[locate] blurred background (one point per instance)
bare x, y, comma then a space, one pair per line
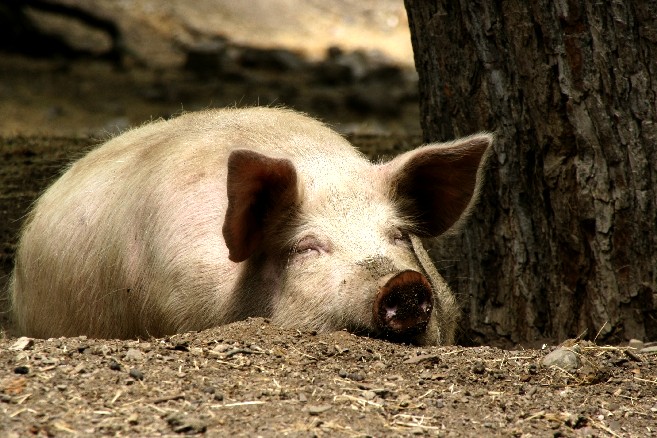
97, 67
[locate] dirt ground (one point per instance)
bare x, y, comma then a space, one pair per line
252, 378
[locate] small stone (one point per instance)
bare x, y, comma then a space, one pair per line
219, 397
563, 358
136, 374
652, 349
133, 419
431, 358
382, 392
478, 368
22, 344
566, 392
636, 343
221, 348
369, 395
134, 355
182, 346
21, 370
114, 365
318, 409
426, 375
102, 350
208, 390
356, 377
187, 425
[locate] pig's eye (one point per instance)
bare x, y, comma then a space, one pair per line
400, 238
309, 245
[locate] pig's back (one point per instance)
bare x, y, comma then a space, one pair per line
275, 132
118, 245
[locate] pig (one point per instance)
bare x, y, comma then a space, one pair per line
220, 215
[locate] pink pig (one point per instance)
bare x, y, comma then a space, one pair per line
219, 215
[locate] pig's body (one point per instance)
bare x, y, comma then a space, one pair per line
128, 242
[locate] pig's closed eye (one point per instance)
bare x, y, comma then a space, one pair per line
310, 245
400, 238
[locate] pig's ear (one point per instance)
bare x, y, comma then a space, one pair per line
434, 184
259, 187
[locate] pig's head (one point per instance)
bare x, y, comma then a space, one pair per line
333, 242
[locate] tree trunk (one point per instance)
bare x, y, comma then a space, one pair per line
564, 239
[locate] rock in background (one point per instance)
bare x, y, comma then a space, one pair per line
106, 65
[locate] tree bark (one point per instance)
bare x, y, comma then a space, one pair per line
564, 239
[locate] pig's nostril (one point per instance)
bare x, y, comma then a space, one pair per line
391, 312
404, 303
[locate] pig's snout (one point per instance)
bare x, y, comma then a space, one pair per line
404, 304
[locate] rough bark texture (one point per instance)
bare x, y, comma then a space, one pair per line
564, 240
